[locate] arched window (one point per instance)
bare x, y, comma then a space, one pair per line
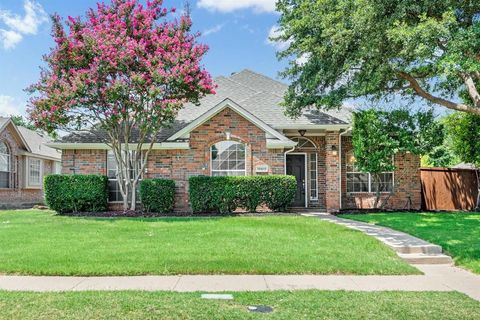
228, 158
304, 143
5, 166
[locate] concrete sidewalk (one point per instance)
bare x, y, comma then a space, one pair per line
411, 249
435, 278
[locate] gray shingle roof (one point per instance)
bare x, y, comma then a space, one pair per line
35, 141
256, 93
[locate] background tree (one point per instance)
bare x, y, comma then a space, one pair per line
125, 70
464, 132
371, 48
22, 122
377, 136
441, 156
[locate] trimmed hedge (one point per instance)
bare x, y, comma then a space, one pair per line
225, 194
157, 195
76, 193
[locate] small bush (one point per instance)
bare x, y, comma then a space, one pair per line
157, 195
225, 194
278, 192
212, 194
76, 193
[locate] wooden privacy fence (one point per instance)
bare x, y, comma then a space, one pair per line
448, 189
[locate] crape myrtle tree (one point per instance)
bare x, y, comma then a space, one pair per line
374, 48
124, 70
377, 136
464, 131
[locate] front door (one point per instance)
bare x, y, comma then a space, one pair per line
296, 168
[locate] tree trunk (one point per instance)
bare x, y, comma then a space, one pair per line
133, 206
377, 193
477, 207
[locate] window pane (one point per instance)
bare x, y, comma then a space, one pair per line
313, 177
114, 194
228, 159
385, 183
57, 168
34, 173
4, 180
3, 148
4, 162
357, 182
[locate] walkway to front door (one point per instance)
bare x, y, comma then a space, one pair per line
295, 166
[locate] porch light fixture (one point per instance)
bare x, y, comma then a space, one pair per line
302, 132
334, 149
228, 134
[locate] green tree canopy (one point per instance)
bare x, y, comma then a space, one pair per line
464, 131
373, 48
378, 135
22, 122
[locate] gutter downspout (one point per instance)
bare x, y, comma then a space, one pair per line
285, 159
340, 158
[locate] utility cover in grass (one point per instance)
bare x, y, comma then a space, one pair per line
260, 309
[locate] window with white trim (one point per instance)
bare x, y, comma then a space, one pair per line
228, 159
114, 193
5, 165
313, 177
57, 167
358, 181
34, 172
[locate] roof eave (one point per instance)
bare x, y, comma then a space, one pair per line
40, 156
333, 127
104, 146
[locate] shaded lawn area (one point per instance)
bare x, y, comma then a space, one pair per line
41, 243
286, 305
457, 233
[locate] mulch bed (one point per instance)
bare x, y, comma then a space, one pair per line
141, 214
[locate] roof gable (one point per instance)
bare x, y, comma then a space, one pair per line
7, 123
227, 103
31, 141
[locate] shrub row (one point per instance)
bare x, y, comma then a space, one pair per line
76, 193
225, 194
89, 193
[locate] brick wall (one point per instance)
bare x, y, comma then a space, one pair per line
17, 196
407, 184
84, 162
180, 165
332, 167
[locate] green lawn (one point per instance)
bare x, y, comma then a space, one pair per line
286, 305
41, 243
457, 233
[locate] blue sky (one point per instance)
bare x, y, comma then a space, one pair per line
236, 31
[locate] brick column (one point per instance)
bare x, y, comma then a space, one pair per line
332, 171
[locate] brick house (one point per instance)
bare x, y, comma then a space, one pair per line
242, 130
24, 160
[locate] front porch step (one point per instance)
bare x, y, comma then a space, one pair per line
422, 258
426, 249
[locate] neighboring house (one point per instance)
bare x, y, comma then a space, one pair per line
242, 130
24, 160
